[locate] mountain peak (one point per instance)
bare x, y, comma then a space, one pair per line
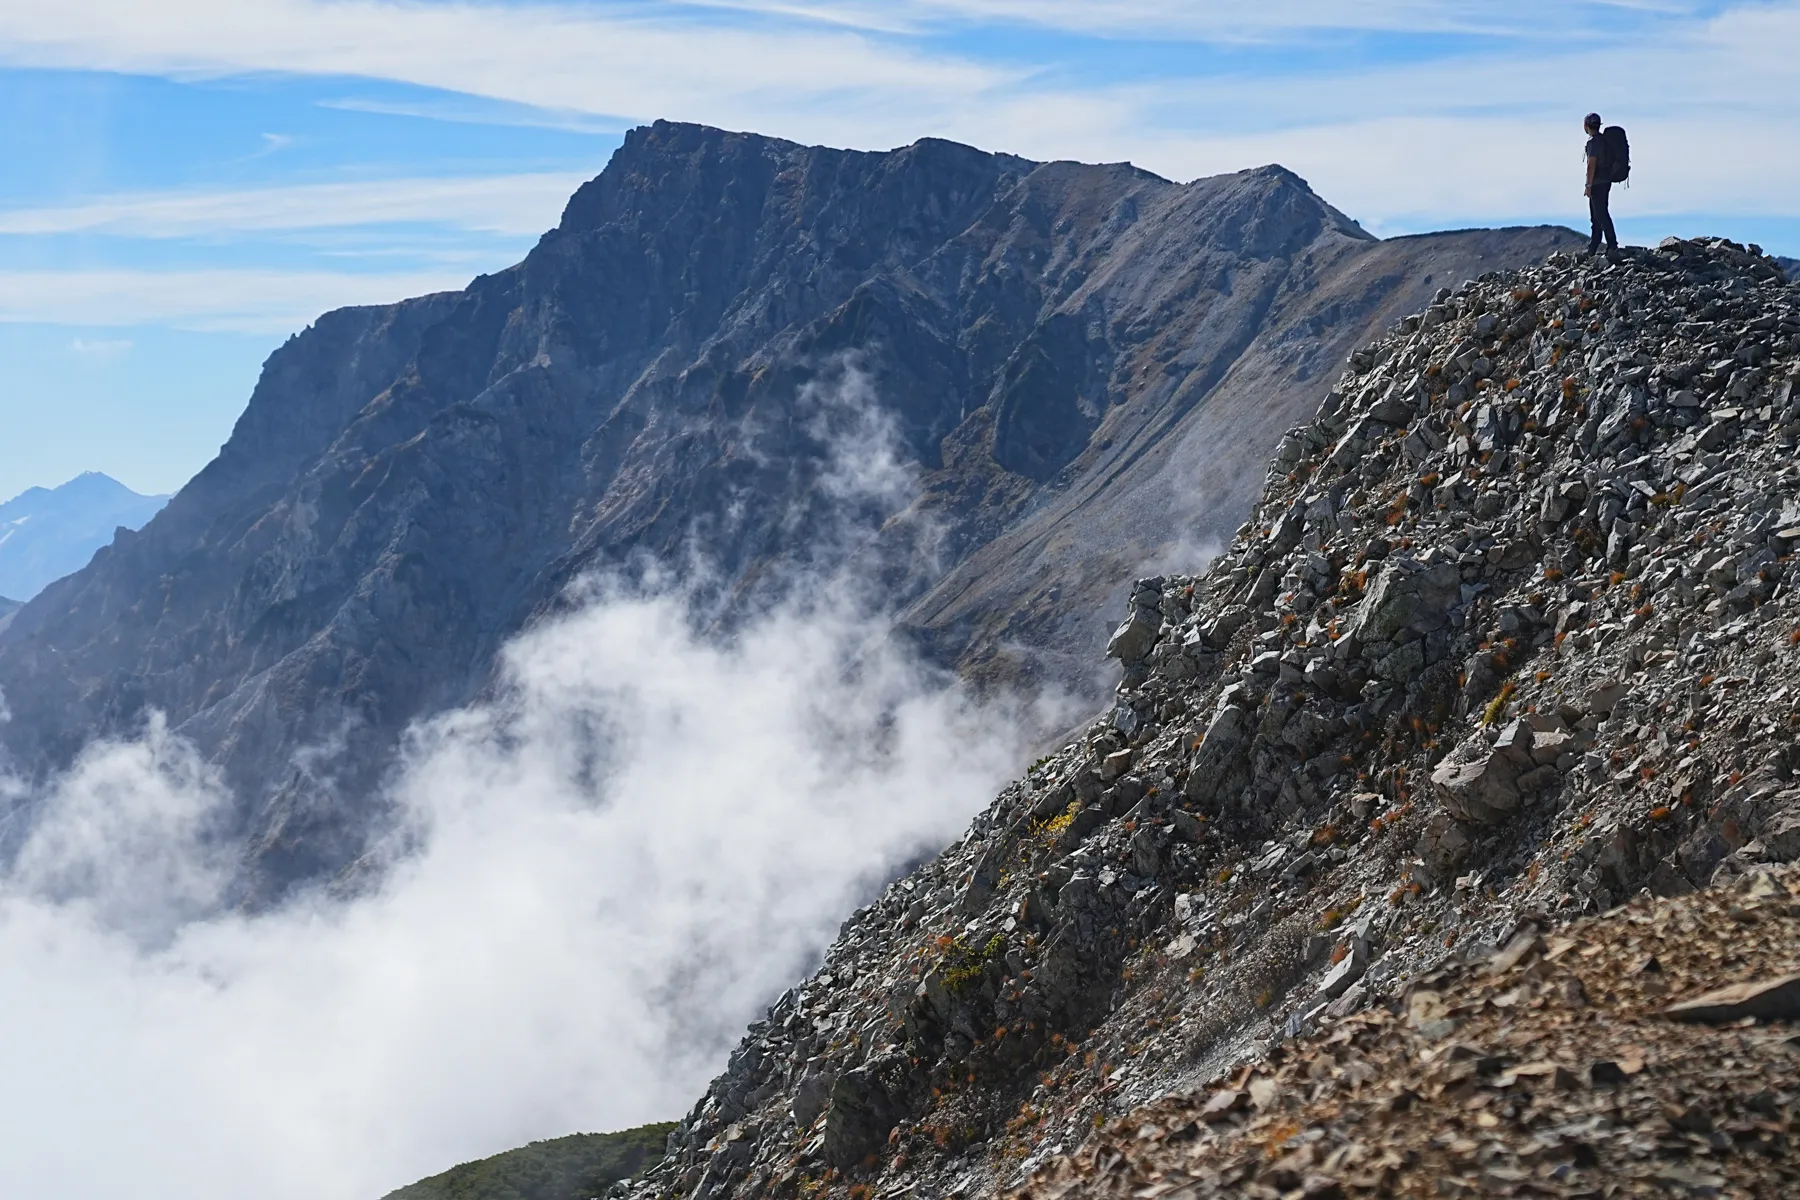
1057, 349
47, 533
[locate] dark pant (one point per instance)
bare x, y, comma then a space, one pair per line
1598, 196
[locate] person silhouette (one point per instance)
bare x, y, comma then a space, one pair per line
1599, 189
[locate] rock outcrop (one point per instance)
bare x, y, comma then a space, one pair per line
1085, 367
1528, 649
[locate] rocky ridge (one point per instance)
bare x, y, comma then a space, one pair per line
1511, 636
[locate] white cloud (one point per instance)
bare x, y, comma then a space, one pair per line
514, 205
814, 79
475, 110
645, 840
101, 348
585, 59
601, 876
1493, 170
1216, 22
247, 301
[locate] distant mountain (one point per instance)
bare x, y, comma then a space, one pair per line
7, 609
46, 533
1791, 266
1085, 366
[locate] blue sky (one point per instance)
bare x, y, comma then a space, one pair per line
189, 182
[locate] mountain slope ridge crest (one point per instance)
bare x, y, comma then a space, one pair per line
1062, 351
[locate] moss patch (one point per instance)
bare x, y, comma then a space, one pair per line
566, 1168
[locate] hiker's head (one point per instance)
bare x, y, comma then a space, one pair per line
1591, 123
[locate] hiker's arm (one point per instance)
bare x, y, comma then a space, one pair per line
1593, 162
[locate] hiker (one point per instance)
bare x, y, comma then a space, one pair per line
1601, 172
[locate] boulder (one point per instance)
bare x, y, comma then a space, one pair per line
1115, 765
1132, 640
1407, 595
1480, 783
1444, 845
1229, 621
1781, 836
1224, 735
811, 1095
1605, 697
1776, 998
1346, 971
862, 1112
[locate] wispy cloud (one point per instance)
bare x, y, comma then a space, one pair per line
274, 143
501, 204
477, 110
628, 61
1218, 22
101, 348
859, 75
246, 301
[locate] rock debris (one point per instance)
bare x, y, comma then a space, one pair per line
1548, 1069
1510, 639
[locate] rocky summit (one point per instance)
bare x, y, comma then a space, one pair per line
1511, 638
1079, 368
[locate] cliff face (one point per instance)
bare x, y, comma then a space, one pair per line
1085, 364
1511, 636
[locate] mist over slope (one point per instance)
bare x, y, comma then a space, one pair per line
47, 533
1084, 364
596, 878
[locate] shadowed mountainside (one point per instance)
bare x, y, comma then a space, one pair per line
1085, 366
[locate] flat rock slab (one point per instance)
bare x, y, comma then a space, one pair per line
1773, 999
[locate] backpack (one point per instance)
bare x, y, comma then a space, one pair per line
1618, 153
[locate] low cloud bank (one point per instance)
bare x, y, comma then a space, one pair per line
605, 873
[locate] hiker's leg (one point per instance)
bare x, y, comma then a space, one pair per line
1599, 217
1604, 221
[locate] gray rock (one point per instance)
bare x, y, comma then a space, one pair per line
1224, 737
1134, 637
1780, 836
1230, 619
1346, 971
811, 1095
861, 1112
1444, 844
1479, 783
1115, 765
1407, 594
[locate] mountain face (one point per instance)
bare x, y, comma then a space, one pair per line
1511, 635
1084, 365
47, 533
